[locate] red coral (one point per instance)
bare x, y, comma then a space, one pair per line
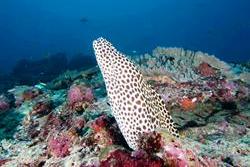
101, 131
100, 123
59, 146
106, 132
121, 158
150, 142
205, 70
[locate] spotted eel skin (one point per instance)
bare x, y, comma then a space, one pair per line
136, 106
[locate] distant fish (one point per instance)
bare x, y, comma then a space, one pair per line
84, 20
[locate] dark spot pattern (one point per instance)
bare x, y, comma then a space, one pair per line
136, 107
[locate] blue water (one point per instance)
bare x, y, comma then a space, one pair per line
33, 29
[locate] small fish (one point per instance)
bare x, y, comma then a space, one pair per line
83, 20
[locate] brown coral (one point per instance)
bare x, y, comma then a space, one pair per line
205, 70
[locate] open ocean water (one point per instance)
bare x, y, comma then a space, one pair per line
33, 29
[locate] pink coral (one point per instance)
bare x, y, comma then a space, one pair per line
229, 85
59, 146
78, 93
79, 96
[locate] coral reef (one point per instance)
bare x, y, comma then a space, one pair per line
42, 126
180, 64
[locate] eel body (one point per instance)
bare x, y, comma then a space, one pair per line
136, 106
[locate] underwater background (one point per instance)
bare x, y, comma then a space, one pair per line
34, 29
167, 85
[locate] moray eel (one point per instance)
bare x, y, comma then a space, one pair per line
136, 106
